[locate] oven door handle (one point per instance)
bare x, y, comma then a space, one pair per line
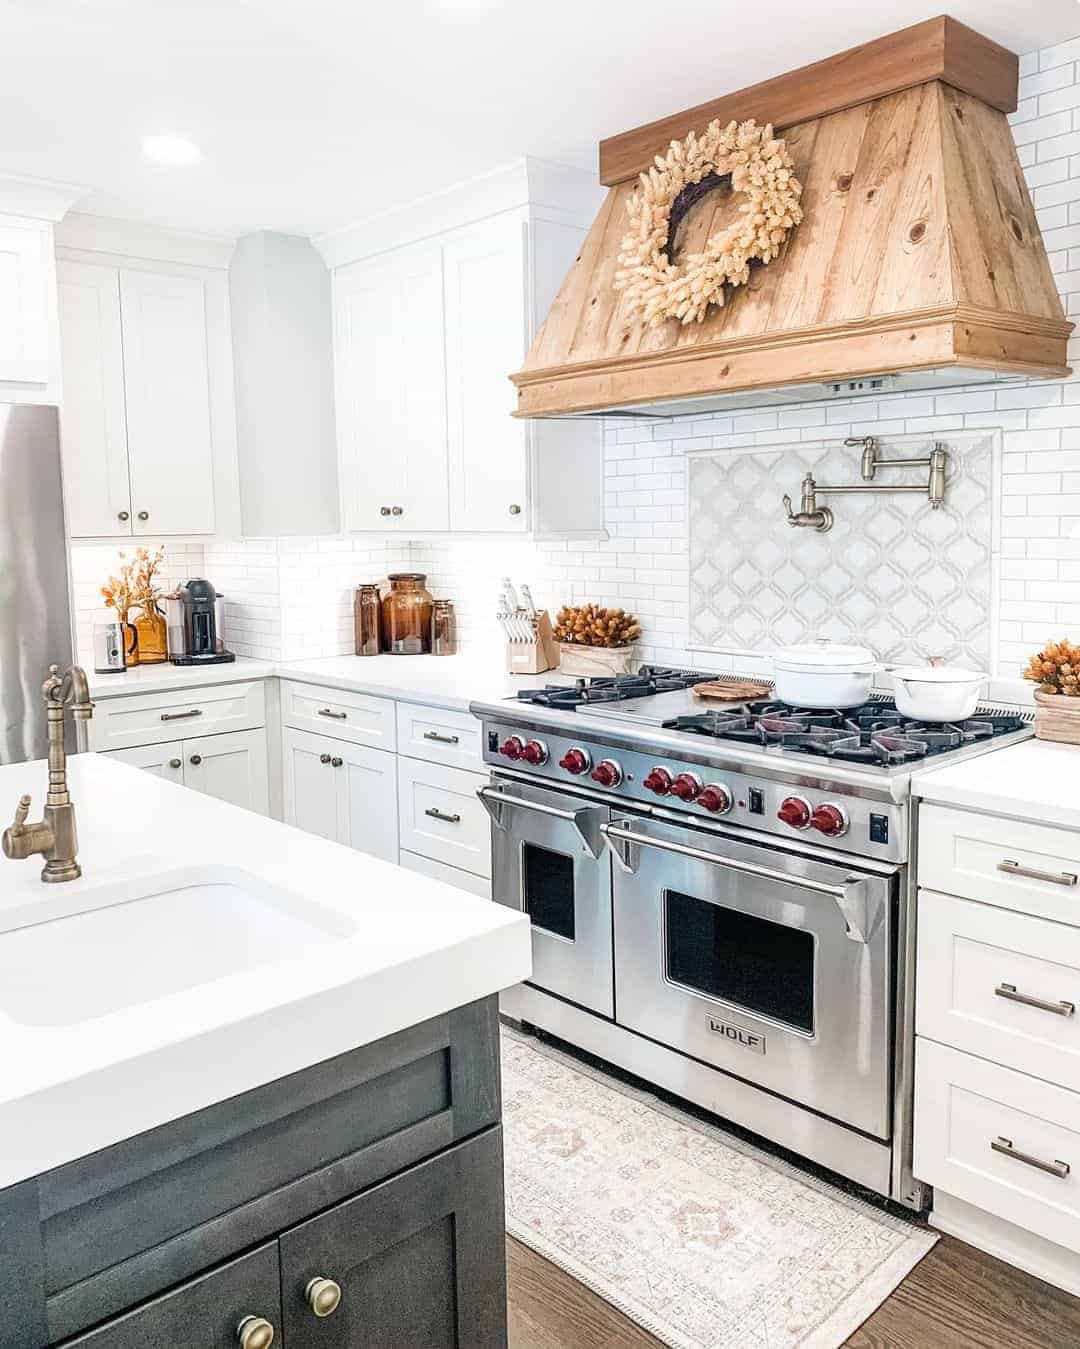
852, 896
585, 819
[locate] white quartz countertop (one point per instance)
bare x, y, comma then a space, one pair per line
1038, 780
161, 678
390, 948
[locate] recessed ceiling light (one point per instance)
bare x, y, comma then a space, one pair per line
172, 150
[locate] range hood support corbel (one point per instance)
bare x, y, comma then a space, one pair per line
812, 516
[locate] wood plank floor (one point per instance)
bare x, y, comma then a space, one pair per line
956, 1298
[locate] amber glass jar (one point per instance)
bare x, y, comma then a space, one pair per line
152, 633
367, 618
407, 615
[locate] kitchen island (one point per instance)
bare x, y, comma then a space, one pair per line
248, 1074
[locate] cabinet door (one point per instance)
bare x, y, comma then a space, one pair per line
93, 420
231, 768
25, 247
311, 785
367, 800
205, 1312
164, 761
167, 380
419, 1259
391, 391
485, 341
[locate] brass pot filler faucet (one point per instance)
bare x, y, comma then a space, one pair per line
54, 836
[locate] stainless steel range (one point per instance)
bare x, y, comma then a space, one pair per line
722, 900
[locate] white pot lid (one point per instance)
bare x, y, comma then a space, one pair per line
936, 674
825, 657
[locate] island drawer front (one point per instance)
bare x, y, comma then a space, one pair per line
132, 1220
359, 718
441, 817
439, 871
964, 1106
148, 718
1032, 868
214, 1305
1002, 985
440, 735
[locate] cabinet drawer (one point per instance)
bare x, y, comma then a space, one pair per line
439, 871
147, 718
1002, 985
206, 1311
1032, 868
965, 1106
439, 736
356, 717
441, 817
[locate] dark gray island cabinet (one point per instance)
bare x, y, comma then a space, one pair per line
356, 1202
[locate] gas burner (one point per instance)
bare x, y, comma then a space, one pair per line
649, 680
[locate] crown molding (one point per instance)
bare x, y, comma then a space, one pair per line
37, 198
133, 239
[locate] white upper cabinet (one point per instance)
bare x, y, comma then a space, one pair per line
485, 271
391, 391
26, 340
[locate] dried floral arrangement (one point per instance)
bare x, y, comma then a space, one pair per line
1056, 669
759, 165
591, 625
135, 583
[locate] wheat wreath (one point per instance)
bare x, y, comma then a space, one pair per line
759, 166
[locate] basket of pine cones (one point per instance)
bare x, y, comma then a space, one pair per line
1056, 670
594, 640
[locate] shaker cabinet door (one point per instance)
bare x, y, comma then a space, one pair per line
25, 246
367, 801
231, 768
311, 787
419, 1260
164, 761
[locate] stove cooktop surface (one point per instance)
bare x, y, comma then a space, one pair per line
649, 681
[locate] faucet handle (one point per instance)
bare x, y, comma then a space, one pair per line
787, 507
22, 810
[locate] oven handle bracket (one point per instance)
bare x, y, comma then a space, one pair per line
585, 820
851, 897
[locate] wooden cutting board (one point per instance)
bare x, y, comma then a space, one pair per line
732, 690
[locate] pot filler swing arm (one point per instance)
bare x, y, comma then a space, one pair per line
812, 516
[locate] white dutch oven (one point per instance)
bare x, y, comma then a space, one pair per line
824, 674
936, 692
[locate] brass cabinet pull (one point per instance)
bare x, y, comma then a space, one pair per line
1012, 868
1007, 1149
439, 815
176, 763
384, 510
196, 759
1058, 1008
441, 739
515, 510
181, 716
324, 758
396, 510
329, 712
144, 515
336, 762
323, 1296
123, 515
255, 1332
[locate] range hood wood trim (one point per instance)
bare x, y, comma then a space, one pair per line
937, 49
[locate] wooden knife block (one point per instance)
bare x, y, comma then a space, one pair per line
539, 653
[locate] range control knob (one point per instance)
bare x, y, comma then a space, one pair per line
576, 761
658, 780
830, 819
686, 786
608, 773
716, 797
795, 811
535, 752
512, 747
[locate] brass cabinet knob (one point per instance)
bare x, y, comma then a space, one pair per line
123, 515
324, 758
515, 510
396, 510
323, 1296
255, 1332
384, 510
144, 515
336, 761
176, 763
196, 759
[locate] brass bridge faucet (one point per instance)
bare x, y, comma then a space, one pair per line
53, 836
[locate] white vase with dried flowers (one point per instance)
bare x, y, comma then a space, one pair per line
1056, 670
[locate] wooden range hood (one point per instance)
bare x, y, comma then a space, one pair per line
919, 263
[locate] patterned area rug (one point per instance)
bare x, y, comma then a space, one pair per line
705, 1241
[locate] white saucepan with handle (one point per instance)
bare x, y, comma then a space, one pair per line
937, 692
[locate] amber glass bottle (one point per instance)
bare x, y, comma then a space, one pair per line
153, 645
407, 615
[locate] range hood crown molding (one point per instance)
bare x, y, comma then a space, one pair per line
919, 256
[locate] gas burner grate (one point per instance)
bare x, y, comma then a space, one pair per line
649, 680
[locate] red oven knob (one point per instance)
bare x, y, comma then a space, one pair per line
575, 761
686, 786
794, 811
512, 747
608, 773
830, 819
658, 781
535, 752
716, 798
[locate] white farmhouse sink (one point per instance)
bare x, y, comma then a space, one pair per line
136, 942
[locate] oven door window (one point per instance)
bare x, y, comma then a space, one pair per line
547, 882
765, 967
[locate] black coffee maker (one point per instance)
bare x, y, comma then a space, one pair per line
201, 637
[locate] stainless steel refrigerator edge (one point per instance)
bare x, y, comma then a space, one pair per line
35, 599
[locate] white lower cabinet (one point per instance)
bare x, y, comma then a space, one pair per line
343, 792
442, 817
231, 767
439, 871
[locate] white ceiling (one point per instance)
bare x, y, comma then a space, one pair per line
313, 114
